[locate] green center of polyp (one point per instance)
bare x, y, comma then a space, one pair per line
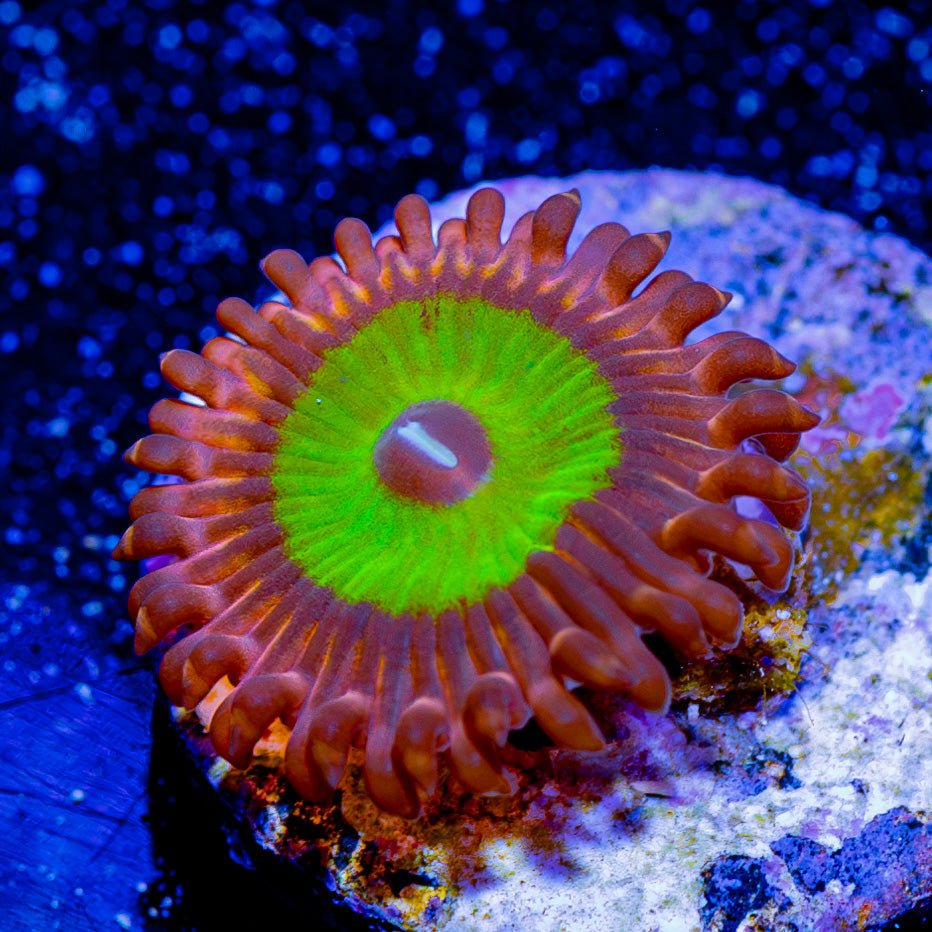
435, 452
432, 453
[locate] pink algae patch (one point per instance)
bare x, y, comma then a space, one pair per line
873, 411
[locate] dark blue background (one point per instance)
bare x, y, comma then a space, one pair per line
153, 152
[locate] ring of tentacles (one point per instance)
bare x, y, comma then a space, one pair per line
452, 480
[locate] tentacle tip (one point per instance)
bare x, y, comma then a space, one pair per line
809, 418
412, 811
698, 648
193, 686
331, 765
239, 760
344, 225
776, 576
653, 692
240, 750
591, 743
395, 800
425, 776
282, 262
787, 366
232, 305
724, 641
412, 198
145, 637
504, 784
660, 711
124, 549
487, 192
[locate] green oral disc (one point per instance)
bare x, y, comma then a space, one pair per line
542, 404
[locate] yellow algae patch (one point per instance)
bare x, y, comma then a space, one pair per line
764, 665
858, 502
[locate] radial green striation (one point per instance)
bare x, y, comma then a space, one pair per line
542, 403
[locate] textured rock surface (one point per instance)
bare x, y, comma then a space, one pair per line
790, 781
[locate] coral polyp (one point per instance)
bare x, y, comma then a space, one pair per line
448, 481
